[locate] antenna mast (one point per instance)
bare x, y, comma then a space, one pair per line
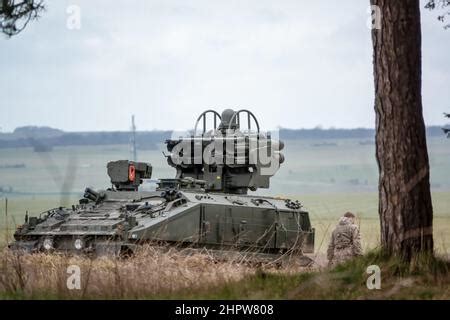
133, 139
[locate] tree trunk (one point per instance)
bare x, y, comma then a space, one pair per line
405, 208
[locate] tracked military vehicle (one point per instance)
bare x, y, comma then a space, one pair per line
206, 204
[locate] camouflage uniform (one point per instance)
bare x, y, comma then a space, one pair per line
345, 242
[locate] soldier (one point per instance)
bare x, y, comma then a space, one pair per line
345, 242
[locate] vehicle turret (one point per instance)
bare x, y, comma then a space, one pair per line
228, 158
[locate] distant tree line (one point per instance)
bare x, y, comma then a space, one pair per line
32, 136
144, 140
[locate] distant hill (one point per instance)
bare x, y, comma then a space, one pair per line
358, 133
31, 132
31, 136
37, 132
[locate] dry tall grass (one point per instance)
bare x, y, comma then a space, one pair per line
151, 273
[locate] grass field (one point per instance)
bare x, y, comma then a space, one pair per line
311, 167
328, 178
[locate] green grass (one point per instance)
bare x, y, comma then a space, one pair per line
426, 278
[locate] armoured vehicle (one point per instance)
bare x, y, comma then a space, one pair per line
206, 205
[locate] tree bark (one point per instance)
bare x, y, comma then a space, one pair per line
405, 208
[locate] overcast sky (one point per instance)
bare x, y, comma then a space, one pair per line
295, 64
